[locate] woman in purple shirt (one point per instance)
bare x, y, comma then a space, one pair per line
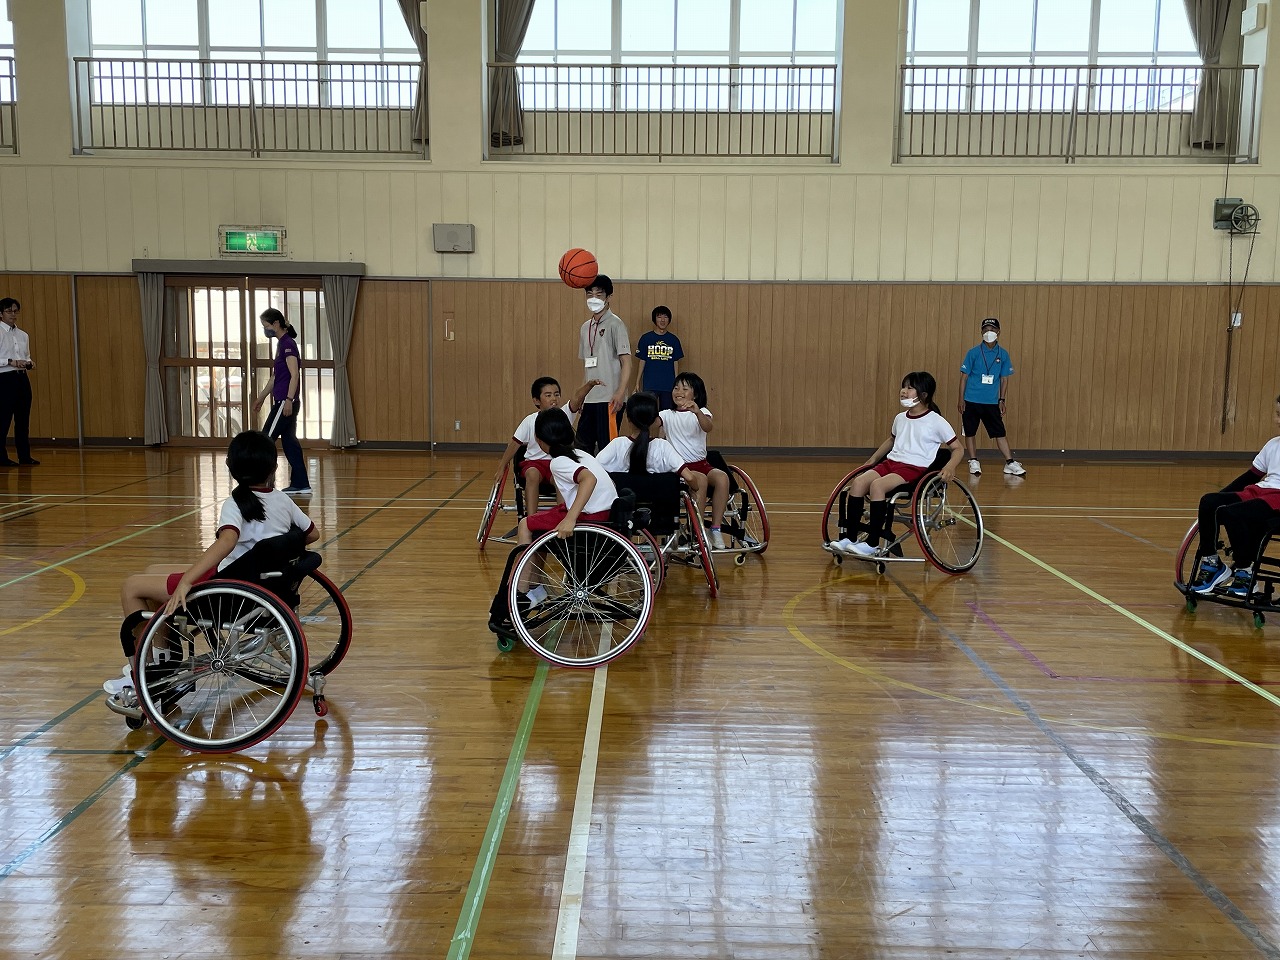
284, 388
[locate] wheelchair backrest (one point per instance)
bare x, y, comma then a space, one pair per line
659, 493
278, 564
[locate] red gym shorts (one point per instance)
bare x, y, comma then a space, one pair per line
701, 466
171, 584
550, 519
908, 473
542, 466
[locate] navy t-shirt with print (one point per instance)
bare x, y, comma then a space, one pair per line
659, 351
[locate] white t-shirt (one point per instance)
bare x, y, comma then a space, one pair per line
661, 457
916, 439
685, 433
565, 471
1267, 462
282, 513
524, 434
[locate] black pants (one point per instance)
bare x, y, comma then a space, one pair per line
1243, 520
593, 427
15, 408
285, 429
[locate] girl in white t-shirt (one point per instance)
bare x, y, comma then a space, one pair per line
641, 452
255, 511
583, 484
686, 428
919, 431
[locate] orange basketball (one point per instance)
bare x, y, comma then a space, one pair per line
578, 267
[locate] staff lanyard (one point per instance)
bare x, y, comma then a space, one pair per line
593, 332
983, 351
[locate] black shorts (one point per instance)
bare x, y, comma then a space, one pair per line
987, 414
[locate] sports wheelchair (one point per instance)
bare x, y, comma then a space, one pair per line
494, 505
745, 526
226, 671
672, 529
599, 591
943, 518
1261, 598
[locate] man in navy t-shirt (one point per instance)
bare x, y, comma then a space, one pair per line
986, 369
660, 353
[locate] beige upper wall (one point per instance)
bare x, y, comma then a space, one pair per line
860, 219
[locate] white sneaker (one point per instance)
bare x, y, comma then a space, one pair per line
841, 546
1014, 468
117, 685
537, 595
863, 549
975, 467
717, 540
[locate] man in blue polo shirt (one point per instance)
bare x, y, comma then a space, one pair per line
986, 370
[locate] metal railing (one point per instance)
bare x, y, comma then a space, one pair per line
247, 106
1079, 112
662, 110
8, 106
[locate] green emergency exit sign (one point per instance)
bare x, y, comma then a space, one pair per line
242, 241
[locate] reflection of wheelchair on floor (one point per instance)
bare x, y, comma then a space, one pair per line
1260, 598
225, 672
512, 474
943, 518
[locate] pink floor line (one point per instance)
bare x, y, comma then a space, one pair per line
1040, 665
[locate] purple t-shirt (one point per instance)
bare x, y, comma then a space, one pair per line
280, 370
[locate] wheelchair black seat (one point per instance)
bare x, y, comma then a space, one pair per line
656, 496
278, 564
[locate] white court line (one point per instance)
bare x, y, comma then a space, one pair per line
569, 920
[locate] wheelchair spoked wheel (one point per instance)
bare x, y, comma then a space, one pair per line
948, 524
699, 545
649, 548
1184, 562
599, 596
492, 508
326, 621
224, 673
831, 513
745, 519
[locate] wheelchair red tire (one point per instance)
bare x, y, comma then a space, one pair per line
492, 509
1181, 568
757, 502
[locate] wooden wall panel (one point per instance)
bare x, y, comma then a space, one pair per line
387, 364
113, 364
47, 319
1099, 367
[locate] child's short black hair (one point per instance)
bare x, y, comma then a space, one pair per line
602, 282
660, 311
694, 383
921, 381
541, 384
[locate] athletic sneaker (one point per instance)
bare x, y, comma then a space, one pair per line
117, 685
1211, 573
1015, 469
864, 549
975, 467
537, 595
717, 540
843, 545
298, 491
1241, 580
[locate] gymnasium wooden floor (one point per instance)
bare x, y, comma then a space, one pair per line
1045, 758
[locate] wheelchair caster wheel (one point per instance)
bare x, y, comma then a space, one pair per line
134, 723
321, 706
1259, 620
740, 559
505, 643
839, 560
1191, 605
880, 568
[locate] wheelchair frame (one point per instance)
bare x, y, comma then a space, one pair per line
233, 633
742, 535
1265, 583
495, 506
927, 512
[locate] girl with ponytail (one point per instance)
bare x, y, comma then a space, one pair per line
254, 512
583, 484
639, 451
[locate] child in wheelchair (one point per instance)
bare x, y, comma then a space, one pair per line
639, 451
686, 428
536, 465
1244, 508
257, 519
914, 441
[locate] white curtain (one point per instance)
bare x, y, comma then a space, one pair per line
506, 115
1215, 113
151, 290
413, 20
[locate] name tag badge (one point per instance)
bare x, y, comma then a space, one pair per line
987, 378
591, 362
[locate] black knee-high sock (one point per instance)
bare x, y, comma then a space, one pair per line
853, 508
878, 524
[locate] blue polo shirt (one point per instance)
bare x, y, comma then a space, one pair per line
984, 362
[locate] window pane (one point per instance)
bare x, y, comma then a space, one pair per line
1004, 25
702, 25
116, 21
289, 23
1175, 28
541, 34
648, 25
6, 35
172, 22
1063, 24
816, 25
582, 24
354, 23
395, 33
1127, 25
234, 23
941, 25
766, 25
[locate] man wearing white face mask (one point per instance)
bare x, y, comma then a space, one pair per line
605, 350
986, 370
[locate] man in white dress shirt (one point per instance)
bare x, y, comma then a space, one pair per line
15, 385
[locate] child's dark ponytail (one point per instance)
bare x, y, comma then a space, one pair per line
923, 383
251, 460
553, 428
642, 411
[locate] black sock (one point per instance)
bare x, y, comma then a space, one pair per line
878, 525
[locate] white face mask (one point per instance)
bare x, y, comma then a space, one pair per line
990, 336
595, 304
909, 402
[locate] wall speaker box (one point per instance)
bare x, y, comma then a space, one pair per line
454, 237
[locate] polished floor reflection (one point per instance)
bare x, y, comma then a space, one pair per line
1048, 757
